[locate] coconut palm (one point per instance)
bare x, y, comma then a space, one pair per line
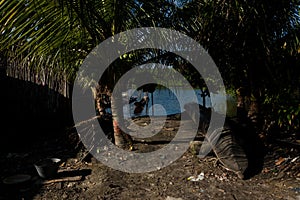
65, 31
249, 40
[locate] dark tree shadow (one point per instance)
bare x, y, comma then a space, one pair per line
30, 131
251, 143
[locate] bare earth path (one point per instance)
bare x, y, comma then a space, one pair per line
280, 178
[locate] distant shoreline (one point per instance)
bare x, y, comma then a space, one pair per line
176, 115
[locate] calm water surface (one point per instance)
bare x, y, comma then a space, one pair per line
165, 101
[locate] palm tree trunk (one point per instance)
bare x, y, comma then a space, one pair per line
254, 112
241, 102
121, 138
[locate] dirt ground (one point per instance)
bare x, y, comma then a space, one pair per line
83, 177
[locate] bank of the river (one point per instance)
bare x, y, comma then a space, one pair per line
280, 178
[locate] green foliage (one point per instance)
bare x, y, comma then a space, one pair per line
255, 44
64, 30
283, 109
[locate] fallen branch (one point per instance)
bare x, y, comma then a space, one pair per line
86, 121
67, 179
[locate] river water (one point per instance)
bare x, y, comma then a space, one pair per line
165, 101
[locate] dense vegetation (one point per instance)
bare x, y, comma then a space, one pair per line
254, 43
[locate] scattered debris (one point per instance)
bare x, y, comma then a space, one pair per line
173, 198
195, 147
280, 160
66, 179
170, 129
47, 168
222, 177
74, 179
200, 177
295, 159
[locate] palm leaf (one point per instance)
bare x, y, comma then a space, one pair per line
228, 149
225, 142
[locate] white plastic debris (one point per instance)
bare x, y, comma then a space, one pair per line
200, 177
173, 198
294, 159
